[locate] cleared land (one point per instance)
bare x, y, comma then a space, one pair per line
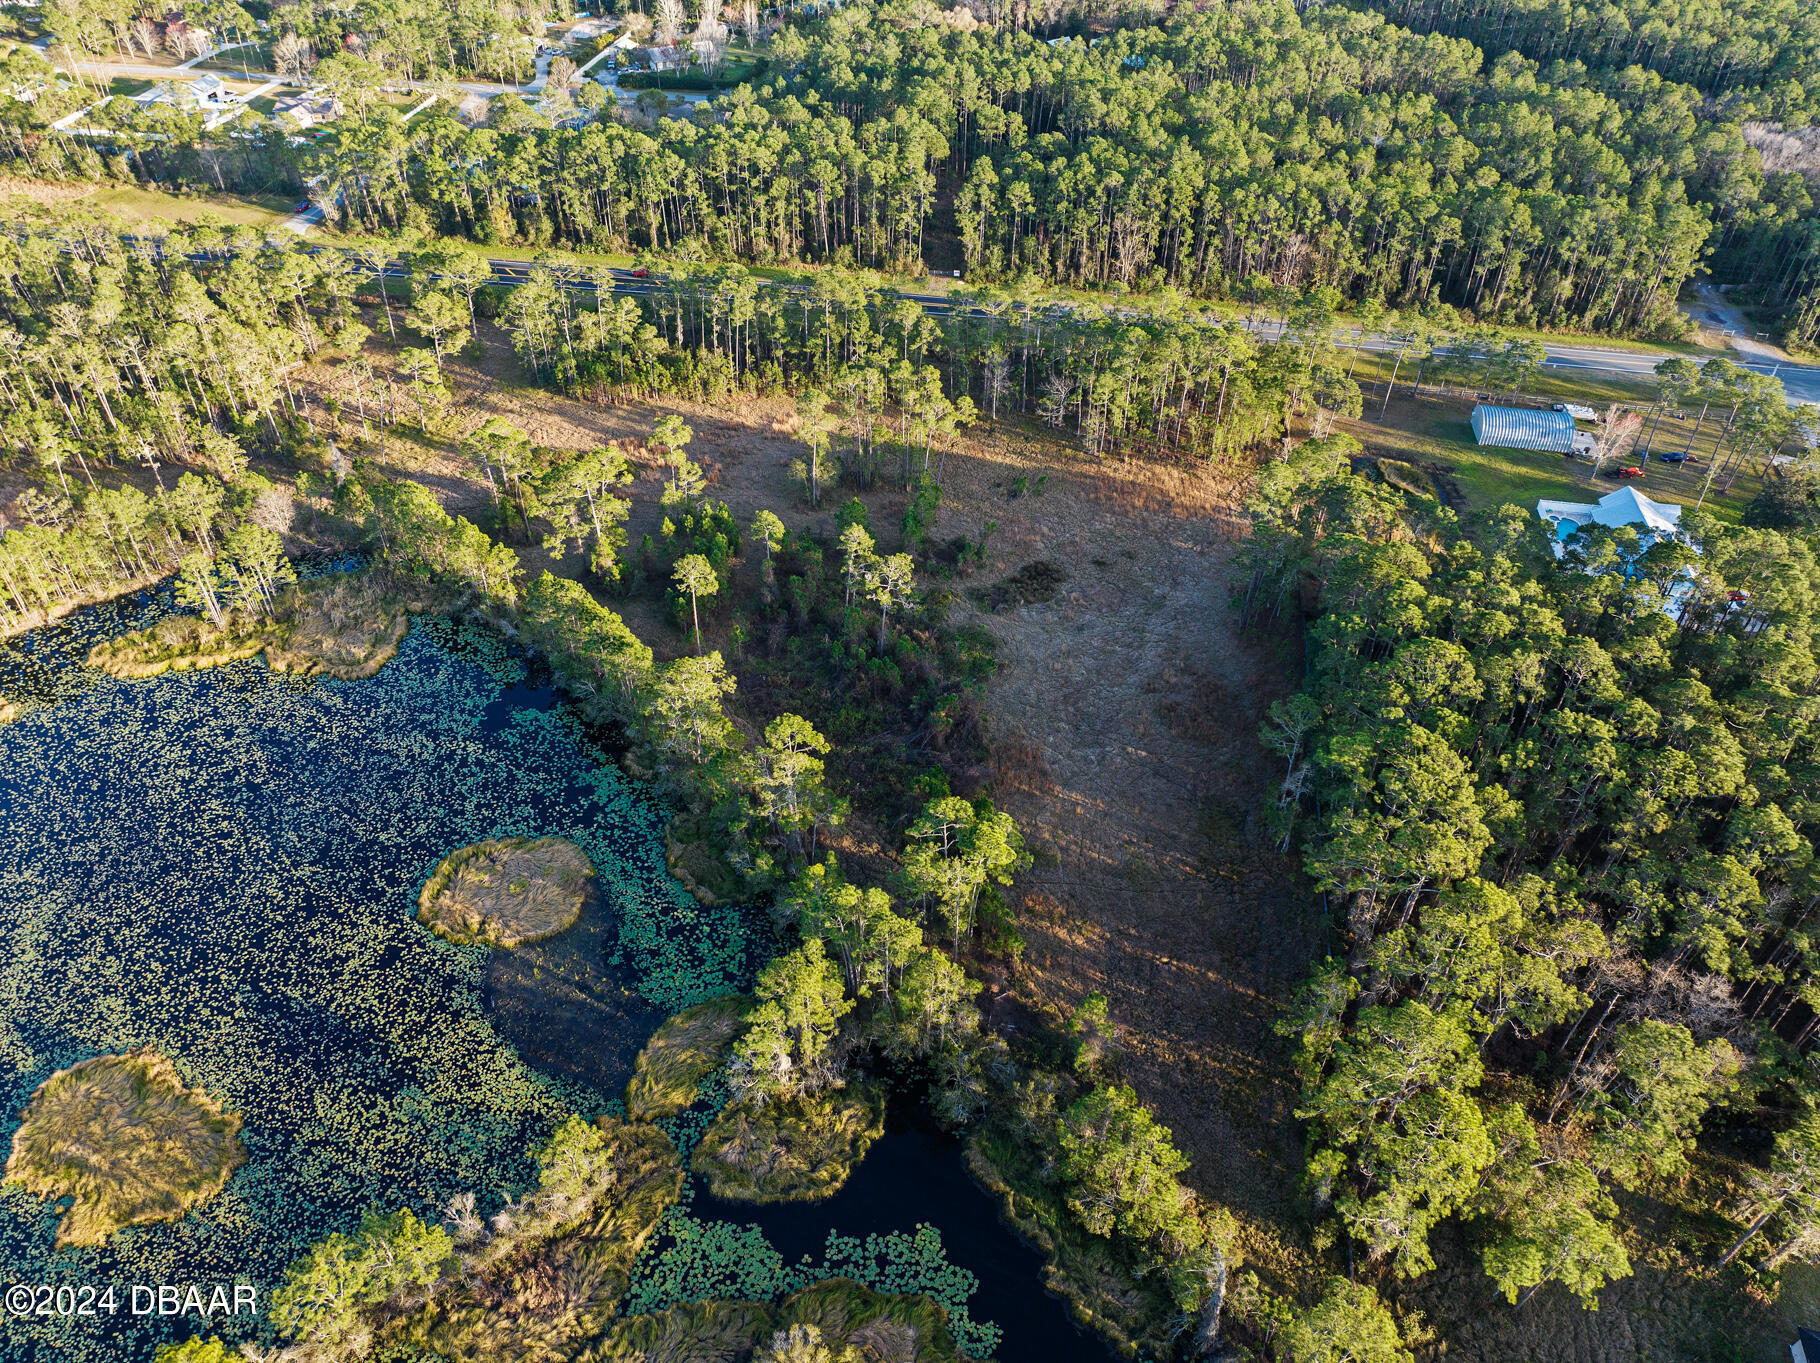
1435, 436
128, 202
505, 892
127, 1141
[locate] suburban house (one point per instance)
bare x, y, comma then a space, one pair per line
307, 110
205, 93
1653, 522
670, 58
1522, 428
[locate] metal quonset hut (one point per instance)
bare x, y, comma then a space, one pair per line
1519, 428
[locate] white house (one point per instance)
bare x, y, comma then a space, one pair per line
1653, 522
208, 93
1523, 428
670, 58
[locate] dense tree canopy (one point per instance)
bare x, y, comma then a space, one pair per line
1570, 169
1564, 812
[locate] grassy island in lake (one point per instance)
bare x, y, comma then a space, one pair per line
127, 1141
792, 1149
682, 1053
345, 625
505, 892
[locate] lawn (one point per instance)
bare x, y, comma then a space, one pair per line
1555, 384
256, 57
255, 210
128, 86
1436, 435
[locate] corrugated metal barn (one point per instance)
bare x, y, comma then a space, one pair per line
1519, 428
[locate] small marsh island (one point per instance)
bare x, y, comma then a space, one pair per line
506, 892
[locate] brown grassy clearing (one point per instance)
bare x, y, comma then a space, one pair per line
505, 892
127, 1141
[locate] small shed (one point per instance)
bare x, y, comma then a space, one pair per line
1521, 428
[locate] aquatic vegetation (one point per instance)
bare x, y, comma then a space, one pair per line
916, 1265
127, 1141
680, 1054
505, 892
793, 1149
696, 1260
692, 1260
225, 865
852, 1322
345, 625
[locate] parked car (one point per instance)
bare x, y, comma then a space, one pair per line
1676, 457
1629, 471
303, 207
640, 273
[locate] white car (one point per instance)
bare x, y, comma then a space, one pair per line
1576, 411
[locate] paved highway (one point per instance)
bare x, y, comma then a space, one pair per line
1800, 382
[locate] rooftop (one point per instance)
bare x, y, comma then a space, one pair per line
1523, 428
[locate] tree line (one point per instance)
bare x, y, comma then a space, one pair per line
1224, 153
1563, 816
1763, 53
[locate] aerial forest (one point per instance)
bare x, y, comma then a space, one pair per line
1225, 153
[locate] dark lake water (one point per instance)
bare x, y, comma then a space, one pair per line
915, 1175
224, 866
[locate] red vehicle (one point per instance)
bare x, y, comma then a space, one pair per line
640, 273
1630, 471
